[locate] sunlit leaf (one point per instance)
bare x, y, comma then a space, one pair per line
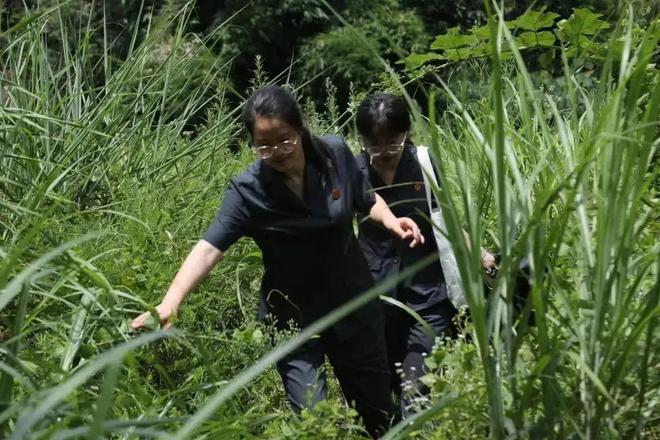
462, 53
480, 31
415, 60
582, 22
453, 39
535, 20
533, 39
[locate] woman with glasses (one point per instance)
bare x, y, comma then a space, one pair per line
389, 162
297, 201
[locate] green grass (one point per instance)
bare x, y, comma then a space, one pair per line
567, 180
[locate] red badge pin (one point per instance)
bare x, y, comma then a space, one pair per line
336, 194
418, 186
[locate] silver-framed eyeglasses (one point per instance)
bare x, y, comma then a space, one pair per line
285, 147
385, 150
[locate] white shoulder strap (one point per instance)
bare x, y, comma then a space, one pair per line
428, 172
445, 252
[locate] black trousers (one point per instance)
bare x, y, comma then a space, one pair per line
361, 366
407, 344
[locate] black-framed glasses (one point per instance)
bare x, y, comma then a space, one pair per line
285, 147
385, 150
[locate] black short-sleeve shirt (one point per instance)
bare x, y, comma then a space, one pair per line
406, 197
312, 261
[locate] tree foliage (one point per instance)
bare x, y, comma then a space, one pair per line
584, 33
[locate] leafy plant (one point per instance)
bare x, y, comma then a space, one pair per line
581, 33
327, 420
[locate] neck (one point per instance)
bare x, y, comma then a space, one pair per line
385, 166
297, 171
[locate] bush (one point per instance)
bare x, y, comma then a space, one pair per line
352, 55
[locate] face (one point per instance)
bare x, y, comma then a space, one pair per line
277, 143
385, 149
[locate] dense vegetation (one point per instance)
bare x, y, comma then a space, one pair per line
118, 134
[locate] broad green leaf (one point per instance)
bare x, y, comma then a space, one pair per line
599, 51
533, 39
535, 20
567, 35
151, 322
415, 60
483, 32
453, 39
480, 31
582, 22
545, 59
462, 53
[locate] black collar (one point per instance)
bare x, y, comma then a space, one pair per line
403, 168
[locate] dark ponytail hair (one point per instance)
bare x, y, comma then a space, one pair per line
273, 101
383, 112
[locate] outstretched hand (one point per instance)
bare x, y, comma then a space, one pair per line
488, 263
404, 228
165, 313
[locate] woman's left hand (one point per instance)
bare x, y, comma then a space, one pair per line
488, 263
404, 227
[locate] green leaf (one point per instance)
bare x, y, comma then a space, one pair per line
533, 39
582, 22
453, 39
593, 376
405, 427
425, 326
541, 364
535, 20
257, 336
545, 59
151, 322
483, 32
463, 53
429, 379
416, 60
480, 31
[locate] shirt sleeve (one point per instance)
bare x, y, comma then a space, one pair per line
364, 197
230, 221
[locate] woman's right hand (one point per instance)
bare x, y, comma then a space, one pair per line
166, 314
196, 266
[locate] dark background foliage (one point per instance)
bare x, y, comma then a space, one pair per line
299, 41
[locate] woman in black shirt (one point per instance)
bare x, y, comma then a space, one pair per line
297, 202
389, 161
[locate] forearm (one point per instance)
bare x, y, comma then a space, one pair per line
468, 242
487, 259
194, 269
402, 227
381, 213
